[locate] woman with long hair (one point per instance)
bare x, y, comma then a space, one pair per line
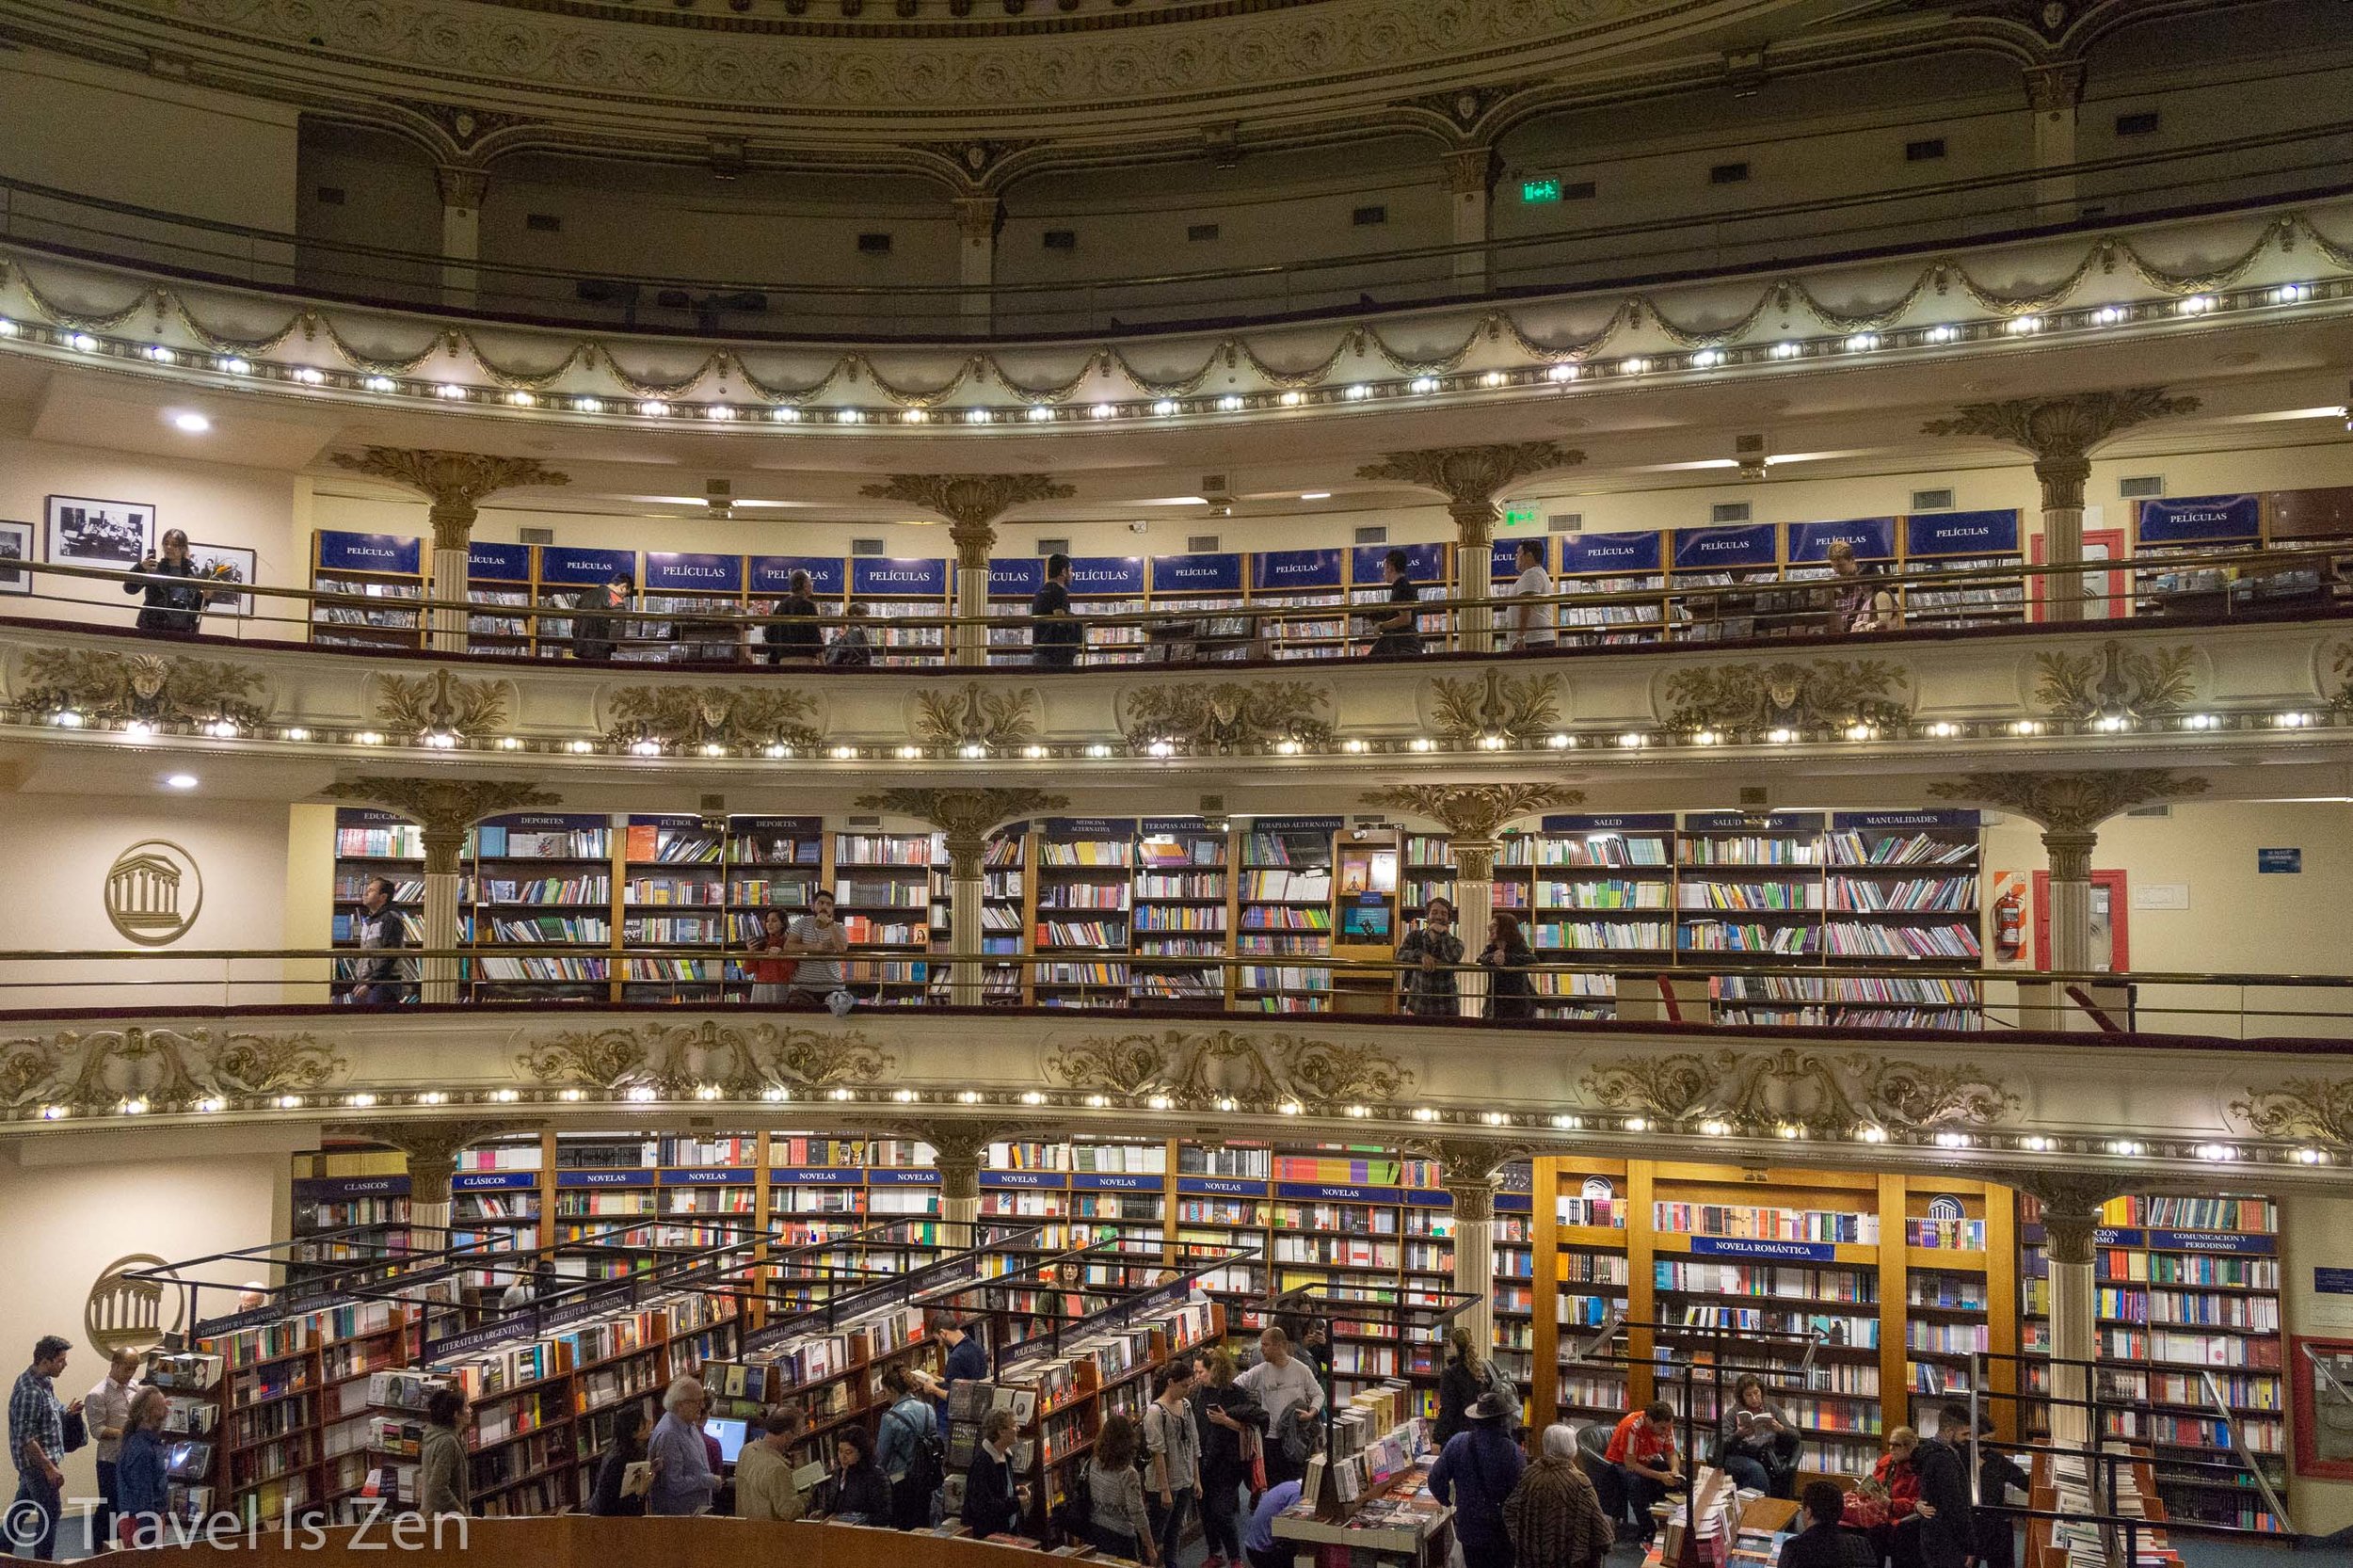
627, 1447
141, 1492
1117, 1522
442, 1479
1460, 1384
1232, 1423
1510, 991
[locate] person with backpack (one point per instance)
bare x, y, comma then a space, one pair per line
907, 1449
1173, 1438
1475, 1476
1114, 1517
1467, 1375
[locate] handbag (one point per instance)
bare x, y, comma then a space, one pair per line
1254, 1451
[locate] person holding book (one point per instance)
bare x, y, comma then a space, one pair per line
1231, 1428
765, 1487
1173, 1438
1475, 1475
1258, 1543
1117, 1522
1554, 1515
994, 1501
1757, 1445
1431, 953
1292, 1396
1827, 1542
142, 1489
441, 1472
1887, 1502
860, 1492
683, 1481
617, 1494
1644, 1450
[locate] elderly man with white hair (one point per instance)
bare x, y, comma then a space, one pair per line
683, 1478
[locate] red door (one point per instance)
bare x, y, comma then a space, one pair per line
2106, 597
2111, 950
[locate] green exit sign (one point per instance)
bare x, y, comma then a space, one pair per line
1540, 190
1518, 517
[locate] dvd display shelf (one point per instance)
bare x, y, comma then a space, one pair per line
385, 571
1429, 567
499, 583
1857, 1298
2187, 1288
1302, 599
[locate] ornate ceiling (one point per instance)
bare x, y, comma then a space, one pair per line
966, 85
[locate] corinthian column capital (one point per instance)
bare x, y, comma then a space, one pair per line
456, 482
2070, 803
1474, 813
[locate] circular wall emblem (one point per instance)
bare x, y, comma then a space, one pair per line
153, 891
131, 1314
1944, 1206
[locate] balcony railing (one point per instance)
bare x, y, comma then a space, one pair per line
1715, 610
2236, 173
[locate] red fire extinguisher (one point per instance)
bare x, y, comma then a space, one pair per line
2010, 922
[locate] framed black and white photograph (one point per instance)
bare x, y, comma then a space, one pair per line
16, 544
224, 563
87, 533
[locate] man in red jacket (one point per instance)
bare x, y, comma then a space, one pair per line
1644, 1450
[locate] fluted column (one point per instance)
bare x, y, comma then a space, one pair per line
977, 219
965, 850
1472, 478
2071, 1203
445, 808
957, 1150
1469, 1170
457, 483
1473, 816
971, 502
2060, 432
2053, 92
966, 817
1470, 183
462, 190
1474, 916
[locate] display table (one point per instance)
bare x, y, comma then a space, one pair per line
1398, 1522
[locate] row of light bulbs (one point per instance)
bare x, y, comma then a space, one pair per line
1560, 374
2208, 1151
1168, 747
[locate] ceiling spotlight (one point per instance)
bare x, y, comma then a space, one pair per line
235, 366
1423, 384
2311, 1157
720, 411
1099, 749
222, 730
8, 327
2026, 727
2216, 1153
1863, 341
849, 416
451, 392
2199, 721
588, 404
1359, 393
2106, 315
1229, 404
2289, 294
296, 732
1785, 350
1952, 1140
645, 749
385, 384
1781, 737
194, 424
976, 416
1561, 743
1873, 1134
654, 408
1707, 359
1634, 366
785, 416
1632, 740
2037, 1144
522, 399
440, 739
1162, 749
1561, 373
1943, 729
310, 377
2020, 326
81, 342
138, 730
1104, 410
1493, 379
1356, 743
1165, 406
1293, 398
579, 748
2198, 304
913, 416
181, 780
158, 353
1040, 413
1943, 334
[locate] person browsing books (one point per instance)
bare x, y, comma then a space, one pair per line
379, 929
1117, 1522
441, 1468
1397, 630
1507, 958
1554, 1515
1258, 1543
764, 1488
613, 1498
1533, 620
905, 1448
1287, 1389
684, 1482
1056, 634
1231, 1423
793, 635
106, 1411
994, 1501
1755, 1443
820, 940
142, 1491
1826, 1543
596, 613
860, 1490
1475, 1473
1644, 1450
772, 977
1173, 1437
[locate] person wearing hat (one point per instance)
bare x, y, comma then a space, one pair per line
1475, 1473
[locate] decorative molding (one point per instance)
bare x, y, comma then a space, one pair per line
2068, 803
973, 714
1474, 812
444, 703
1758, 1094
748, 718
2342, 667
1470, 474
2117, 682
971, 502
444, 807
1518, 707
2060, 432
1467, 1164
674, 1061
964, 814
2316, 1109
146, 688
167, 1070
2070, 1202
455, 482
1783, 694
1227, 717
1228, 1070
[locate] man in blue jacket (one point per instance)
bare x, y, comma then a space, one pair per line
1475, 1473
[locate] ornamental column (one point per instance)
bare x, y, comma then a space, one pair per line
2071, 1203
977, 221
966, 817
971, 502
2070, 806
1474, 816
957, 1150
2060, 432
1470, 182
462, 189
445, 808
432, 1148
2053, 92
1472, 478
457, 483
1470, 1172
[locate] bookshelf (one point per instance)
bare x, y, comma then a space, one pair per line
357, 1214
1110, 585
674, 891
371, 843
769, 863
1083, 911
1181, 908
544, 880
1600, 884
1306, 587
695, 598
1963, 541
1284, 914
1610, 564
1005, 883
1748, 886
2186, 1286
1013, 582
497, 585
895, 591
1210, 587
882, 891
381, 566
2186, 528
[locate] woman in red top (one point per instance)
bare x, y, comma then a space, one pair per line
771, 976
1898, 1537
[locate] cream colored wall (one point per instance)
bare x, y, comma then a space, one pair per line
72, 1207
2238, 920
125, 137
2316, 1231
55, 853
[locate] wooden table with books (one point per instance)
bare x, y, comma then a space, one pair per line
1370, 1496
